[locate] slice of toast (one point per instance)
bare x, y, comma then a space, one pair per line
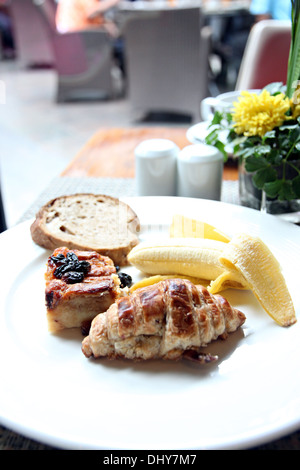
99, 223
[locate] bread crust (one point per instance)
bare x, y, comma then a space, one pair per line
86, 221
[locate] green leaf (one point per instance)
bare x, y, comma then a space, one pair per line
278, 157
286, 191
285, 127
238, 140
293, 73
254, 163
295, 135
270, 135
272, 188
221, 146
217, 119
246, 152
263, 149
212, 137
229, 117
263, 176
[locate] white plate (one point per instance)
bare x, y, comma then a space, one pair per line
52, 393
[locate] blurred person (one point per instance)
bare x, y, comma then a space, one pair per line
271, 9
229, 45
76, 15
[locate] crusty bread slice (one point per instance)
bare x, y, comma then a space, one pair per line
99, 223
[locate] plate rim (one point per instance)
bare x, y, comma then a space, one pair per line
250, 441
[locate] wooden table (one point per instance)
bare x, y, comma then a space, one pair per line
110, 152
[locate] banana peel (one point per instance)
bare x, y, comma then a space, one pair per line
243, 262
251, 257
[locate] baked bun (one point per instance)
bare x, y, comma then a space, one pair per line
87, 222
79, 286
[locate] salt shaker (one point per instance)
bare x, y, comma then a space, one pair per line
155, 166
199, 172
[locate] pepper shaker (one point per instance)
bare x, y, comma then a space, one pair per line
199, 172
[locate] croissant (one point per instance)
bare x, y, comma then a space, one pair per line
168, 320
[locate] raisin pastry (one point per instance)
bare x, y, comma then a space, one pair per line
79, 286
168, 320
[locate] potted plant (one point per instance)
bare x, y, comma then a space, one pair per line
263, 131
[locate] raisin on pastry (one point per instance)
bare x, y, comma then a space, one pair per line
79, 286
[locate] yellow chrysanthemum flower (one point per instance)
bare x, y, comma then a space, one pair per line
256, 114
295, 110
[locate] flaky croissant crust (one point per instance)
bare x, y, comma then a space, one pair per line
163, 321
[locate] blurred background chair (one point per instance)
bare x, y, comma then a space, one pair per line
83, 60
266, 55
167, 61
33, 47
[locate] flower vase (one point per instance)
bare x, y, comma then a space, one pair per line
255, 198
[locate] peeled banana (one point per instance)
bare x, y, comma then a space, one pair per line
149, 281
185, 227
198, 258
256, 263
244, 262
